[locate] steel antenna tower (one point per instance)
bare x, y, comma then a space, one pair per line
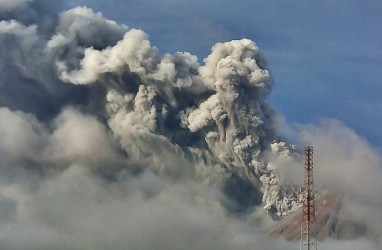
308, 240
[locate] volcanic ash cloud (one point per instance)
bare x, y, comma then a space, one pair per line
106, 144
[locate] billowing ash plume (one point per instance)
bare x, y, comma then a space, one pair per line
169, 113
179, 117
106, 144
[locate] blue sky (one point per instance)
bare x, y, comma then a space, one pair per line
325, 56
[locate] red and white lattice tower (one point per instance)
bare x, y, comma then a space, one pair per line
308, 240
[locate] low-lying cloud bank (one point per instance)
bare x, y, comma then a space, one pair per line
105, 144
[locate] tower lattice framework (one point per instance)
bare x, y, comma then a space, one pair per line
308, 240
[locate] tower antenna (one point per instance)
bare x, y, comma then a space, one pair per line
308, 240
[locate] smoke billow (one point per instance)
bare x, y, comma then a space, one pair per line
106, 144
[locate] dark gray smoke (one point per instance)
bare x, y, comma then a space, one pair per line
105, 144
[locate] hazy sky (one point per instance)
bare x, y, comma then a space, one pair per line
325, 55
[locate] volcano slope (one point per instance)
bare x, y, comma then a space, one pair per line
332, 221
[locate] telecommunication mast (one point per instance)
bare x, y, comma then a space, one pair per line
308, 240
